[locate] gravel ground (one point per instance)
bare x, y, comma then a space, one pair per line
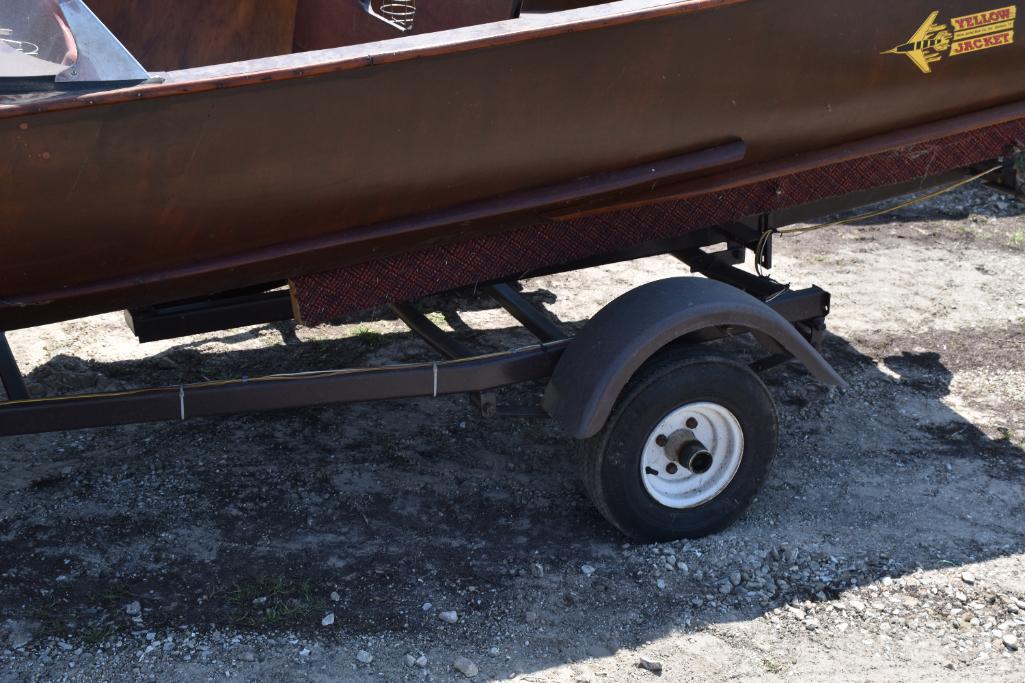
415, 541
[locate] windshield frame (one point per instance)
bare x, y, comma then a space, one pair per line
60, 44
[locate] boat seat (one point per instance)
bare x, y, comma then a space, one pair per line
182, 34
323, 24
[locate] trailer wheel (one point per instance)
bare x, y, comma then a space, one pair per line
686, 448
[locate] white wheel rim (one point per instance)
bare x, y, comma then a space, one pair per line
668, 481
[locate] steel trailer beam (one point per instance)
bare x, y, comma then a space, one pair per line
436, 337
525, 313
476, 374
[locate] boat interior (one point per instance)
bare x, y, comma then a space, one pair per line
186, 34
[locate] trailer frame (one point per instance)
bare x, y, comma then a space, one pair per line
462, 370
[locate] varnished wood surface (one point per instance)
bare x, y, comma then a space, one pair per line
180, 34
555, 5
323, 24
322, 62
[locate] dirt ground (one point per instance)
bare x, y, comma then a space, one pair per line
326, 544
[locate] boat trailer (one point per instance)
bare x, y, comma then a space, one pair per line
723, 289
644, 345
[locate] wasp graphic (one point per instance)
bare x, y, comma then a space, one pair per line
927, 45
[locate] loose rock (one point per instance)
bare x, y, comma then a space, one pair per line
465, 667
364, 657
650, 665
449, 617
19, 638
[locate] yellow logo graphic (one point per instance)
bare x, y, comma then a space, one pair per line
981, 31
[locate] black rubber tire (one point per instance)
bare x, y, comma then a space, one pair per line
610, 460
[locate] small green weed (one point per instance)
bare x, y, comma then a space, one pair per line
274, 601
368, 336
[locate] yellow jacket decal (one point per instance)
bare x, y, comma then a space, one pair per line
963, 35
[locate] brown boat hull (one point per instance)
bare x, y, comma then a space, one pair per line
165, 192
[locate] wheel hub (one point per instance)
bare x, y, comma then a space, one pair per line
684, 446
692, 455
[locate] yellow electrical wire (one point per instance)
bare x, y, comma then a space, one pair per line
764, 239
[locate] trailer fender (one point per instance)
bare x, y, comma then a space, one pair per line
631, 329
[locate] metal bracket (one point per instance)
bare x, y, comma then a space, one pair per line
444, 344
763, 255
1009, 180
762, 287
399, 14
10, 375
101, 56
211, 314
525, 313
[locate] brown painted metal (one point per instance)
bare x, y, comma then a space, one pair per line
227, 176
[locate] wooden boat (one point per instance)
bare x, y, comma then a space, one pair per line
230, 144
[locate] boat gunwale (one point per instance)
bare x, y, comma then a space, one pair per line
299, 65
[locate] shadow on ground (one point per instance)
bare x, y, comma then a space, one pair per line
253, 522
